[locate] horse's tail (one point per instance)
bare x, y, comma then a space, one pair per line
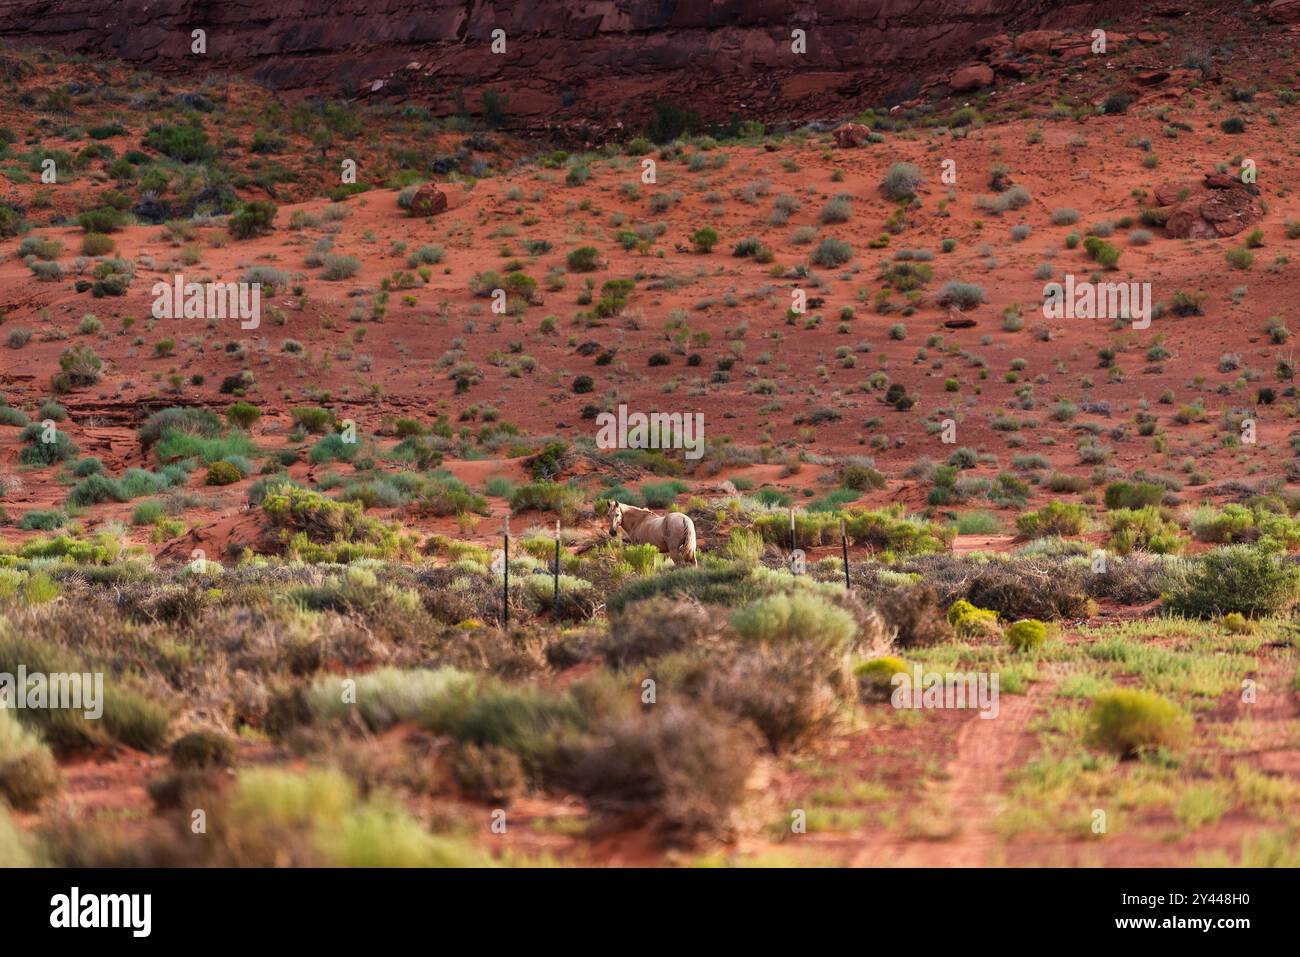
688, 546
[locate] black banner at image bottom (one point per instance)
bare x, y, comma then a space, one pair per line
139, 907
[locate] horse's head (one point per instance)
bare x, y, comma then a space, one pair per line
615, 518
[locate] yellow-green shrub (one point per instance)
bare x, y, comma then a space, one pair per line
876, 677
1028, 634
971, 622
1127, 721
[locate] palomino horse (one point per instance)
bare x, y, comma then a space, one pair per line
673, 534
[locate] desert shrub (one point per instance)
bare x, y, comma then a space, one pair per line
550, 462
1252, 580
253, 219
791, 692
202, 749
14, 417
42, 520
654, 628
27, 771
446, 495
1239, 523
795, 617
577, 597
1054, 518
101, 221
388, 696
831, 253
1128, 721
39, 451
876, 677
96, 244
1013, 198
490, 774
1236, 623
338, 267
731, 584
193, 421
547, 497
46, 271
223, 473
662, 494
887, 531
314, 818
901, 181
915, 615
18, 337
1026, 635
645, 559
79, 366
670, 121
242, 414
186, 448
313, 419
11, 221
128, 716
40, 247
183, 143
425, 255
838, 210
95, 489
1060, 482
1132, 580
146, 513
583, 259
969, 621
704, 239
965, 295
743, 545
1015, 587
1142, 528
528, 721
1133, 495
309, 526
684, 766
861, 477
1102, 252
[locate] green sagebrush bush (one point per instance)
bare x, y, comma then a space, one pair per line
1252, 580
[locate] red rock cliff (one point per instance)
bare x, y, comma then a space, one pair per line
592, 59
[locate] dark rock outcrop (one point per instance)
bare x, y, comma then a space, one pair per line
563, 59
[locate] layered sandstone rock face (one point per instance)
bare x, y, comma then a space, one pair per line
578, 57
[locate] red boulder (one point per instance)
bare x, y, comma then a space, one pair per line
429, 200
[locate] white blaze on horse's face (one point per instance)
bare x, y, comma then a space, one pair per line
615, 517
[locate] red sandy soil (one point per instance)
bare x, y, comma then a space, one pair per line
1095, 175
402, 377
